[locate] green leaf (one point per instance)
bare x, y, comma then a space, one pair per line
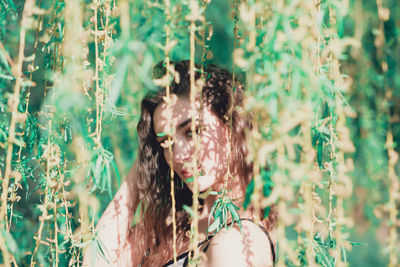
116, 172
214, 193
103, 179
188, 210
161, 134
10, 242
224, 215
93, 252
81, 245
249, 192
2, 55
137, 216
357, 243
189, 180
6, 77
322, 255
320, 147
217, 211
267, 211
344, 253
235, 215
102, 250
98, 169
215, 226
212, 212
109, 183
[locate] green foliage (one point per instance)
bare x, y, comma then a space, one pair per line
99, 171
268, 185
321, 84
222, 209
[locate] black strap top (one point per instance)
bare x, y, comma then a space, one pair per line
182, 260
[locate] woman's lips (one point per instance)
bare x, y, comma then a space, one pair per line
186, 174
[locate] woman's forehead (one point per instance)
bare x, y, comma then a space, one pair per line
180, 111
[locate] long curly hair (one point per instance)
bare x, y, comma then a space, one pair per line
152, 235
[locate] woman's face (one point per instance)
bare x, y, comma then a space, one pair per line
213, 150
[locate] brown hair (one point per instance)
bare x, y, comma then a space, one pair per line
153, 235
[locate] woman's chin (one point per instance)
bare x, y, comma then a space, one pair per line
204, 183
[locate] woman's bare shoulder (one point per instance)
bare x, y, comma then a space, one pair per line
113, 227
231, 247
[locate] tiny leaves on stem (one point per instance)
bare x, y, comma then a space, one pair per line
221, 211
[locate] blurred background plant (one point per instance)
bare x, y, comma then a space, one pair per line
322, 82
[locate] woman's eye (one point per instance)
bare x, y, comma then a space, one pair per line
189, 131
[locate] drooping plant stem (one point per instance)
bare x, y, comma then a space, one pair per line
171, 133
44, 216
228, 174
195, 172
328, 65
15, 115
98, 91
394, 190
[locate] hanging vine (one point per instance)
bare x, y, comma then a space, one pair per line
321, 79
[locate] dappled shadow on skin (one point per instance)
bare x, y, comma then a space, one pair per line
118, 211
247, 243
120, 214
246, 248
254, 239
212, 152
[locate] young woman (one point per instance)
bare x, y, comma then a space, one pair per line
149, 242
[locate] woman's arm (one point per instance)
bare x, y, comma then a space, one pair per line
232, 248
114, 225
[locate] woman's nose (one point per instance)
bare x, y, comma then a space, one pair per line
182, 152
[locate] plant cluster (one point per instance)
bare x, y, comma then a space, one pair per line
322, 83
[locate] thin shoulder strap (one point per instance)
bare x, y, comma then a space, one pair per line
269, 237
186, 254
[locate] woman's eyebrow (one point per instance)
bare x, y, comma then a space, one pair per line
161, 136
187, 121
184, 123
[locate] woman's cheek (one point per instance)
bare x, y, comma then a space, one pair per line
167, 157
